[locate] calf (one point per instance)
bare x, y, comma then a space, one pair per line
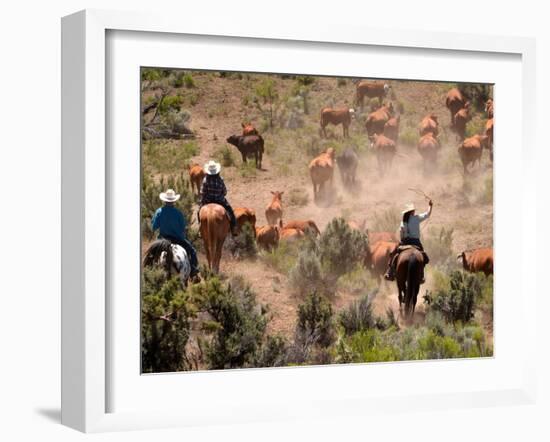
429, 124
267, 237
196, 175
376, 120
248, 129
321, 170
454, 102
385, 151
249, 145
477, 260
378, 256
391, 128
303, 225
243, 216
274, 211
428, 148
460, 119
336, 116
290, 235
347, 164
374, 237
471, 150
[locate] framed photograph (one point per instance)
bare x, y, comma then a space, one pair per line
271, 225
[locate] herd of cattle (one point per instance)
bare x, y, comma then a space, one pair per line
382, 127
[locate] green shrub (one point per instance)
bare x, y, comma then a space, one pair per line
273, 353
305, 276
340, 82
315, 323
281, 258
357, 282
167, 156
409, 137
225, 155
358, 316
248, 169
486, 195
459, 302
170, 103
298, 197
165, 324
236, 327
474, 127
305, 80
177, 79
188, 81
340, 248
244, 244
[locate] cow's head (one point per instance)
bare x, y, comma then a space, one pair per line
277, 195
386, 88
233, 139
331, 152
351, 112
484, 141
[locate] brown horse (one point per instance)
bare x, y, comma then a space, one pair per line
214, 229
409, 271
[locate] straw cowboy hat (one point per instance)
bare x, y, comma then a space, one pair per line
169, 196
212, 167
408, 208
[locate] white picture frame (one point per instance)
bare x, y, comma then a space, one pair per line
85, 236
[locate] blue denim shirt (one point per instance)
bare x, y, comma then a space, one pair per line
170, 222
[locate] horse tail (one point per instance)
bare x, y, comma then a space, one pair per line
154, 252
413, 282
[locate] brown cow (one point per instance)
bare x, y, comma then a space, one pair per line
303, 225
249, 145
376, 120
385, 151
461, 118
391, 128
341, 115
489, 132
471, 149
370, 89
489, 108
245, 215
196, 175
429, 124
374, 237
267, 237
454, 102
274, 211
248, 129
214, 228
290, 235
477, 260
377, 257
428, 148
321, 170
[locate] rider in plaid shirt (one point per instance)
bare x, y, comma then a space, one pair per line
213, 190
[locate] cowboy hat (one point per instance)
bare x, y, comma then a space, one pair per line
408, 208
169, 196
212, 167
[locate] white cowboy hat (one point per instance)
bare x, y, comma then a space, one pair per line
169, 196
212, 167
408, 208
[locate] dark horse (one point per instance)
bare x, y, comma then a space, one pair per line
409, 270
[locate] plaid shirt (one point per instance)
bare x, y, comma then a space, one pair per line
213, 189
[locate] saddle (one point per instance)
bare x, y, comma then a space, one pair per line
407, 247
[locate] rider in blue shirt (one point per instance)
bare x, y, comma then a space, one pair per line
171, 224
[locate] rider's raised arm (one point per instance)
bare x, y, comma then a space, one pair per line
424, 216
